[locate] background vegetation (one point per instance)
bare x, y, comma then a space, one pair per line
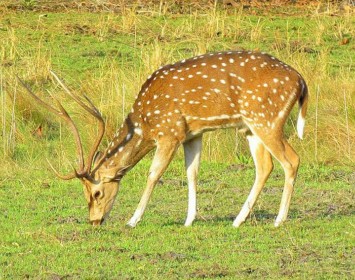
106, 49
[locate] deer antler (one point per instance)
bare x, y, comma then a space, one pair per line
84, 170
92, 110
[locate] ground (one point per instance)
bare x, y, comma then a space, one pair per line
107, 50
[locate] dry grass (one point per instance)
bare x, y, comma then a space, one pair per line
114, 83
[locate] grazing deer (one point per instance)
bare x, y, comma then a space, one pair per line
176, 105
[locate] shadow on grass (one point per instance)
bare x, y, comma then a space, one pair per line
264, 216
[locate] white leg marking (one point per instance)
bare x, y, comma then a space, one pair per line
192, 150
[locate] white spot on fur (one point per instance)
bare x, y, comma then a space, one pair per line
138, 131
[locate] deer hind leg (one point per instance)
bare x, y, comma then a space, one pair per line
192, 150
263, 167
163, 155
289, 161
290, 165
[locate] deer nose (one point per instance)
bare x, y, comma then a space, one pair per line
97, 222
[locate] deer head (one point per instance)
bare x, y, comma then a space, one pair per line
100, 183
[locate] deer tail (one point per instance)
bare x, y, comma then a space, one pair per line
302, 103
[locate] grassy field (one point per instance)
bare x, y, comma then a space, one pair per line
43, 221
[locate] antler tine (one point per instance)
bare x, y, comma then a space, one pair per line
40, 101
74, 129
65, 116
63, 177
96, 144
92, 109
96, 113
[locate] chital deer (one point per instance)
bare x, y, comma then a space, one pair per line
176, 105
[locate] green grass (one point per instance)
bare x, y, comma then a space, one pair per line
43, 221
45, 234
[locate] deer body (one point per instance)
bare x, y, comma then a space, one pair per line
179, 102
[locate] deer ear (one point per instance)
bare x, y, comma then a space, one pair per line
97, 157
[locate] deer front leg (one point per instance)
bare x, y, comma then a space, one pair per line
263, 165
192, 150
163, 156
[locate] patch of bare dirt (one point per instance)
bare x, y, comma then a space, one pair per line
175, 7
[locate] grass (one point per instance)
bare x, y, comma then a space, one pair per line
109, 56
45, 234
44, 231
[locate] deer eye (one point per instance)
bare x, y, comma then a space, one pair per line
97, 195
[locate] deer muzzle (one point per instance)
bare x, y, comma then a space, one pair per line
97, 222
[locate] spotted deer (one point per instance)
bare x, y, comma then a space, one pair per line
237, 89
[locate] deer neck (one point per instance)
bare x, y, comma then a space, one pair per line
126, 148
